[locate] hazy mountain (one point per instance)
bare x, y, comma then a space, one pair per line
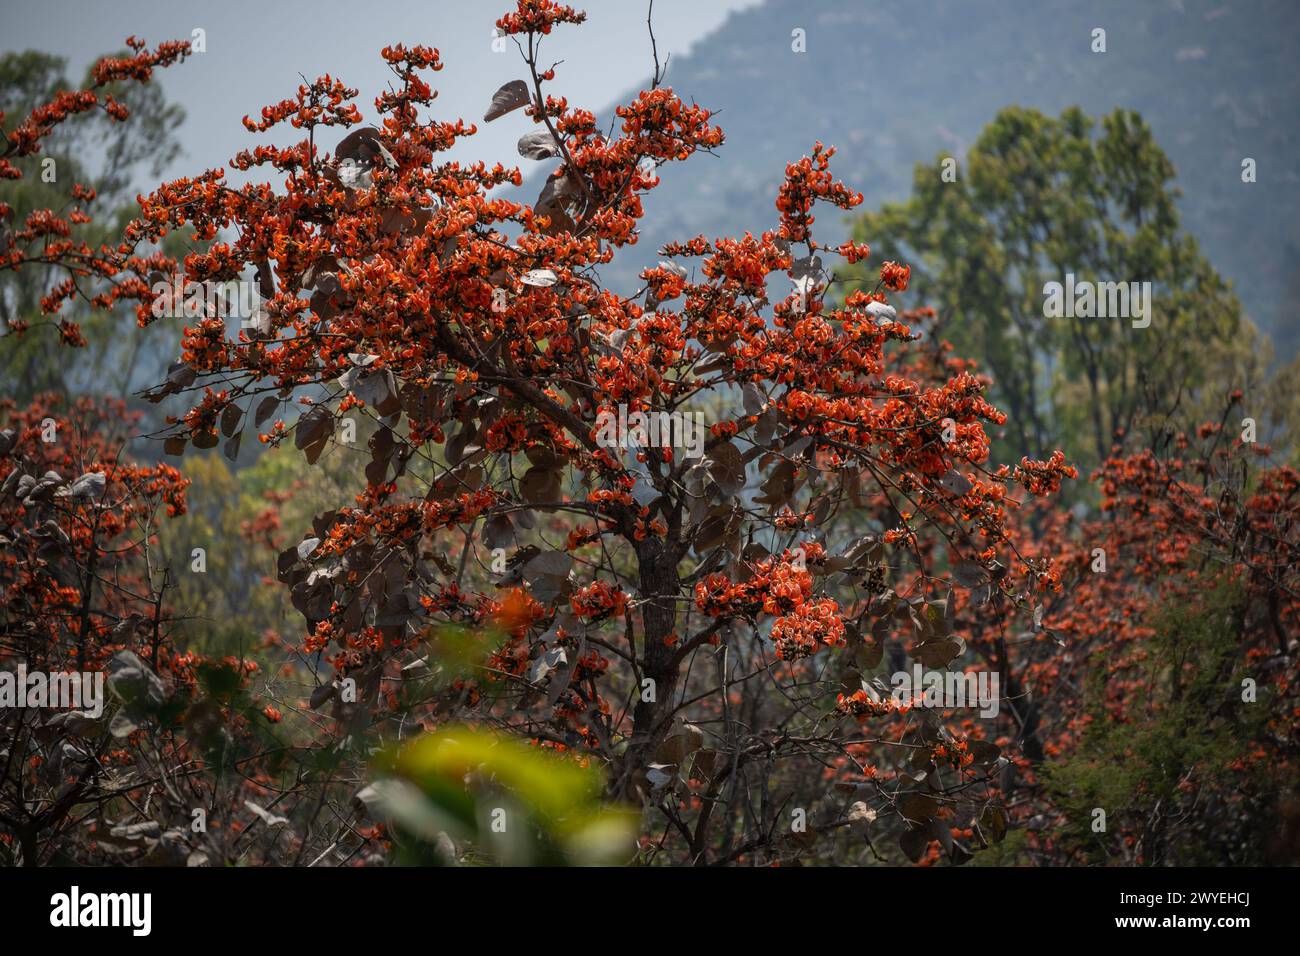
892, 84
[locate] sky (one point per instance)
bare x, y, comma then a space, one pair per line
258, 52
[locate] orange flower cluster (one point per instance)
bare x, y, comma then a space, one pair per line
777, 585
48, 238
806, 182
597, 601
1044, 477
538, 16
895, 277
860, 705
811, 626
782, 586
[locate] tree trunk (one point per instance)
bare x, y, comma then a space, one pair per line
652, 715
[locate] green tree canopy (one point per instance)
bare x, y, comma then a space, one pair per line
1038, 199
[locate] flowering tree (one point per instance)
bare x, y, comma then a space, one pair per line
92, 162
689, 622
97, 770
1158, 684
120, 741
78, 593
53, 238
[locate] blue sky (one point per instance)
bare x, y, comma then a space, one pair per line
256, 51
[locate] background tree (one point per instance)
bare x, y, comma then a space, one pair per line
92, 162
1038, 198
83, 590
1172, 706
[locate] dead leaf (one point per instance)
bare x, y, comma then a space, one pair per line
511, 96
539, 144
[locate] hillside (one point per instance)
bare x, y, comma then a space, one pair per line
892, 85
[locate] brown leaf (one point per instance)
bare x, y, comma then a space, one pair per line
540, 278
919, 807
362, 145
984, 752
727, 468
230, 416
511, 96
955, 483
313, 432
539, 144
993, 821
264, 410
547, 564
540, 486
868, 654
498, 532
779, 486
322, 694
914, 842
939, 652
687, 739
968, 574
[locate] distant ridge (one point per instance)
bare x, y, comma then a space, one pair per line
893, 84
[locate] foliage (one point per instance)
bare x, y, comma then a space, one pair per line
1040, 199
423, 792
51, 187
